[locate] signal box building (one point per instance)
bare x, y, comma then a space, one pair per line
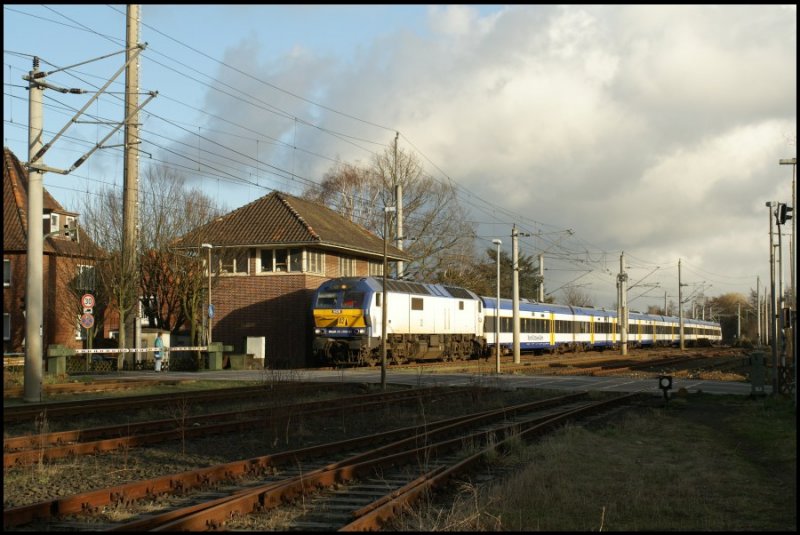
67, 270
268, 257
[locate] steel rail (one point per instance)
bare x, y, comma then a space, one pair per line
38, 448
274, 493
371, 517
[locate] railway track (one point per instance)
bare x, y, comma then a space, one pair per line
46, 447
368, 484
29, 412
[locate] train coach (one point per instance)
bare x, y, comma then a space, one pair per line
424, 321
548, 327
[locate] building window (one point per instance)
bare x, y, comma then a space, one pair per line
234, 261
54, 223
6, 272
375, 269
315, 262
86, 278
281, 261
70, 222
347, 267
6, 326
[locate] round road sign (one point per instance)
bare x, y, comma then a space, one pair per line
87, 301
87, 321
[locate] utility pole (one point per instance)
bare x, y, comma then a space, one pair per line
793, 295
758, 310
130, 207
773, 328
622, 284
738, 321
515, 292
541, 277
385, 304
398, 202
498, 243
33, 285
779, 300
680, 306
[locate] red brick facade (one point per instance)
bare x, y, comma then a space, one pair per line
276, 306
60, 260
60, 305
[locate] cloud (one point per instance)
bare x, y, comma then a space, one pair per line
652, 128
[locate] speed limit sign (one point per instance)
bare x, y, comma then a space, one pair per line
87, 301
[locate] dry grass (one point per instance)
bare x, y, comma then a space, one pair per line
653, 470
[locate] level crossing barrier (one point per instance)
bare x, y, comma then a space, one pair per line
57, 356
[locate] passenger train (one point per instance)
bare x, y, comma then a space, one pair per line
435, 321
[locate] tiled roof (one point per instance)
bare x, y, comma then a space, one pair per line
282, 219
15, 214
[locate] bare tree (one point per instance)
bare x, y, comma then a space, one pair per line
168, 209
576, 297
101, 219
434, 222
170, 279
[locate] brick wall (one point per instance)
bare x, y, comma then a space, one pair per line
59, 305
275, 306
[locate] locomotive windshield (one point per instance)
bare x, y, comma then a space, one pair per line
327, 299
340, 299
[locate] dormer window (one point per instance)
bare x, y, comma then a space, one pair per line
69, 222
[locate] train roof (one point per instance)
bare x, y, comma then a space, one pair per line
402, 286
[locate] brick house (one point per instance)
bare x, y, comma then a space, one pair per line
270, 255
68, 265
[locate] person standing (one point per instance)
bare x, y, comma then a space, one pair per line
159, 351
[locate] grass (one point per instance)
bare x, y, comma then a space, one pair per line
703, 463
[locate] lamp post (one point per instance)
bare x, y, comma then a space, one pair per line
384, 309
210, 313
498, 243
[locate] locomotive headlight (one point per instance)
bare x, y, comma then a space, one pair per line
318, 331
359, 331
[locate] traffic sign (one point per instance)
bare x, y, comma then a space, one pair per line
87, 301
88, 310
87, 321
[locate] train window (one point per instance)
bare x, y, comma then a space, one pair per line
352, 299
326, 300
416, 303
461, 305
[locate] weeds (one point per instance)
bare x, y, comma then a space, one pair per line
179, 413
42, 426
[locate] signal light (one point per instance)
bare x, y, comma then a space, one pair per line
784, 213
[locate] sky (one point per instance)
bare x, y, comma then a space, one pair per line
653, 130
